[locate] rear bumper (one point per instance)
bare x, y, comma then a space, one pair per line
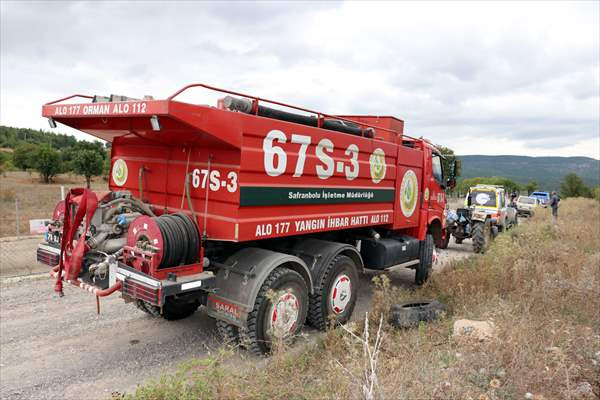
131, 282
140, 286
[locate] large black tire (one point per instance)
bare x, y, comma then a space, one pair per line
287, 289
409, 315
175, 309
329, 305
443, 244
481, 236
230, 334
148, 308
425, 260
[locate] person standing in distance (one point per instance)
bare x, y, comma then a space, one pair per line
554, 200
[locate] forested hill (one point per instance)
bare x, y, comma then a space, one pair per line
546, 171
13, 137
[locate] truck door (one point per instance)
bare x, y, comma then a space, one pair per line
436, 186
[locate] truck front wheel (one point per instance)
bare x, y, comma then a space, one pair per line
425, 260
279, 311
334, 301
444, 242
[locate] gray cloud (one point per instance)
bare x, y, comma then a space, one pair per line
524, 75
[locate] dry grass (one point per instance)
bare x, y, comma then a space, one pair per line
539, 284
36, 199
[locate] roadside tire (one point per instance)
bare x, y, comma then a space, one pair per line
284, 292
409, 315
175, 309
229, 334
481, 236
425, 260
334, 302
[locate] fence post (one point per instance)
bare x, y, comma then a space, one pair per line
17, 214
62, 192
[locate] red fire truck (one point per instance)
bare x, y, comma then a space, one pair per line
263, 212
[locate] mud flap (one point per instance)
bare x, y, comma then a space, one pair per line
239, 279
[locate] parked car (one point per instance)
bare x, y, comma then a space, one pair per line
543, 197
526, 205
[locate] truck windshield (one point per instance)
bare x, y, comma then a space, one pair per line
483, 198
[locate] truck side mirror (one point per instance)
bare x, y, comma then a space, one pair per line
469, 200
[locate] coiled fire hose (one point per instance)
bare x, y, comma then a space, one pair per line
174, 237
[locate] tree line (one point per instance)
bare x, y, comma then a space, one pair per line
571, 186
51, 154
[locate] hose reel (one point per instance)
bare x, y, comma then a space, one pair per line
173, 237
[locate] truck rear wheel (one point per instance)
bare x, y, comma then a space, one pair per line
481, 236
425, 260
334, 301
148, 308
279, 311
175, 309
230, 334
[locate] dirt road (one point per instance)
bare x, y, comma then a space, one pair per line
53, 348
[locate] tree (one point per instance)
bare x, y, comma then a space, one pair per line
448, 160
24, 157
530, 186
88, 163
573, 186
47, 162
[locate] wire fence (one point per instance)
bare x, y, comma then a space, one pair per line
18, 256
24, 212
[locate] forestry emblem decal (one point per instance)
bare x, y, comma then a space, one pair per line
378, 167
409, 193
119, 172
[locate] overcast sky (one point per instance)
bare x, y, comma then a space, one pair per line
481, 78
